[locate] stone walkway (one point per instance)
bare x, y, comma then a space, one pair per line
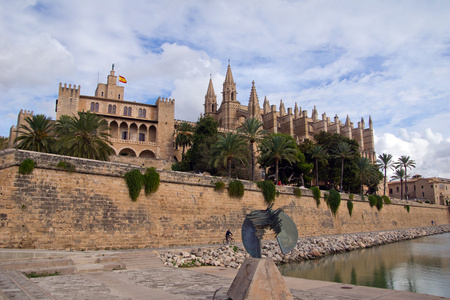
146, 278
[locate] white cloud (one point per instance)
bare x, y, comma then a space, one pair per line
428, 149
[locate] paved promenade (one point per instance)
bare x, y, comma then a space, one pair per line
91, 275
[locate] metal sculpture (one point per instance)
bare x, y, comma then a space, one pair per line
257, 221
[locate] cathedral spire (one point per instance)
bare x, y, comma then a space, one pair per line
210, 99
229, 77
229, 87
314, 114
254, 111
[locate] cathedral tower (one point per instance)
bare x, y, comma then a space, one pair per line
210, 100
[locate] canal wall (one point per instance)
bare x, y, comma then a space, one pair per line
90, 208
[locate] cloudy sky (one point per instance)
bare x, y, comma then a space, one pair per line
386, 59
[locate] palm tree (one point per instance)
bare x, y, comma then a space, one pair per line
3, 142
399, 174
365, 171
343, 151
407, 163
252, 131
229, 147
84, 136
36, 135
317, 153
275, 147
385, 162
184, 136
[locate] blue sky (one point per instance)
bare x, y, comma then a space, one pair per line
386, 59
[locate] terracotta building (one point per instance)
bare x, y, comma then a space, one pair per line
137, 129
434, 189
231, 114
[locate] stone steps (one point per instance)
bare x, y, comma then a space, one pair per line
139, 260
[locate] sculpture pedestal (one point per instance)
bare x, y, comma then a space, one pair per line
259, 278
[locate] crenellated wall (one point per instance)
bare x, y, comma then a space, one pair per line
90, 208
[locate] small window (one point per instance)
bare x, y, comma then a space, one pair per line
125, 111
414, 188
114, 109
422, 187
397, 189
423, 194
140, 113
124, 135
109, 109
390, 191
129, 111
102, 94
118, 96
92, 106
144, 113
141, 137
96, 107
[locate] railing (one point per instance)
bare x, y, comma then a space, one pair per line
132, 142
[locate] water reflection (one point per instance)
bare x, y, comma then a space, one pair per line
420, 265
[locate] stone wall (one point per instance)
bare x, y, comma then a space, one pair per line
90, 208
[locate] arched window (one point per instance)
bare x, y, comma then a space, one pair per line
102, 94
92, 106
140, 113
96, 107
125, 111
109, 109
114, 109
129, 111
118, 96
144, 112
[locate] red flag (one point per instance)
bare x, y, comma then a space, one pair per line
122, 79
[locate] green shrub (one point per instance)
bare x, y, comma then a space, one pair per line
351, 196
27, 166
66, 166
219, 186
325, 198
297, 192
386, 199
151, 181
372, 200
175, 167
236, 189
379, 202
350, 207
316, 194
407, 208
334, 201
268, 189
134, 180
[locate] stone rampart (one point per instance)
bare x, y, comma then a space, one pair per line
90, 208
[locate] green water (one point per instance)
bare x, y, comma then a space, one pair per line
421, 265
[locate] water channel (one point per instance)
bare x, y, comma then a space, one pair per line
421, 265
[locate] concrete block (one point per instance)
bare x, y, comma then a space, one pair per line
259, 278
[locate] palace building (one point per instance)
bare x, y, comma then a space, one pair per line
147, 131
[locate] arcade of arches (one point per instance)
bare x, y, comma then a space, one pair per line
134, 133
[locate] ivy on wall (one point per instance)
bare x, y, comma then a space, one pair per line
236, 189
27, 166
350, 207
151, 181
135, 181
334, 201
316, 194
268, 189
